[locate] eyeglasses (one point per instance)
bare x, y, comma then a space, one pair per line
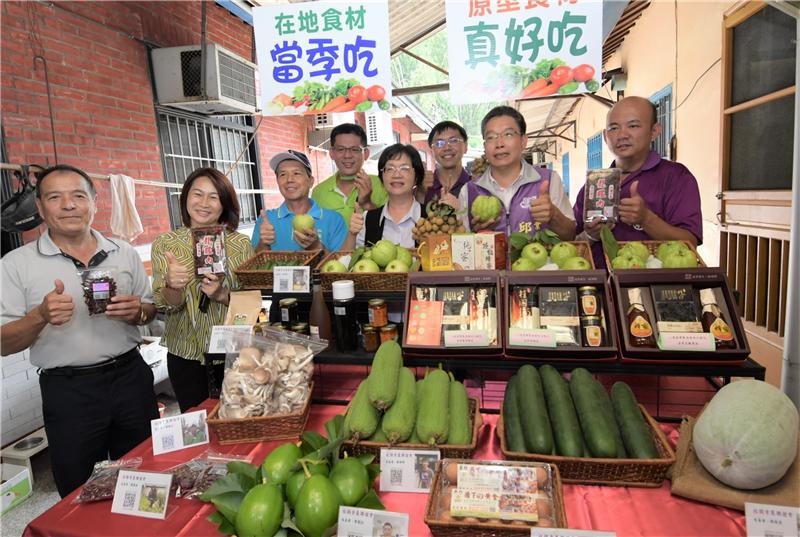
493, 137
455, 140
403, 169
344, 150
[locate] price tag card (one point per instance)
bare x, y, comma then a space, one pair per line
291, 279
465, 338
407, 470
566, 532
686, 341
179, 432
771, 520
529, 337
142, 494
358, 522
222, 334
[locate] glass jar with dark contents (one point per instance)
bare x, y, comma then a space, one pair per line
371, 337
388, 332
589, 301
288, 312
378, 312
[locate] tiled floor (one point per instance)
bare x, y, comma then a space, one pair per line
44, 493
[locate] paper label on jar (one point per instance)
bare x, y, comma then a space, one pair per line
493, 504
360, 522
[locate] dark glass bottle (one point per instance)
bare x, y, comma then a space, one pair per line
344, 316
319, 318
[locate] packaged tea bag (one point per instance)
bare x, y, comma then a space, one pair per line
559, 313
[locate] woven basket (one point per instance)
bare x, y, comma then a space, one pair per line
264, 428
614, 472
459, 528
364, 281
653, 247
254, 278
451, 451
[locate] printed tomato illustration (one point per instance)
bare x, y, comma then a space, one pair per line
376, 93
583, 72
561, 75
357, 94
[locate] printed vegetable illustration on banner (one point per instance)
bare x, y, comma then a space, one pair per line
518, 49
319, 57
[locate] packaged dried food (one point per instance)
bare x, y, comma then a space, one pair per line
99, 287
196, 476
209, 250
103, 481
559, 312
601, 195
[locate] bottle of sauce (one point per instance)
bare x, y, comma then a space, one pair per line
344, 315
319, 318
714, 322
639, 326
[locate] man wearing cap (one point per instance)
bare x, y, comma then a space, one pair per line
350, 184
274, 228
97, 391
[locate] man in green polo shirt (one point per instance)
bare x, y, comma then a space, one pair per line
350, 183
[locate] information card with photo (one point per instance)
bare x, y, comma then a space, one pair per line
143, 494
407, 470
179, 432
359, 522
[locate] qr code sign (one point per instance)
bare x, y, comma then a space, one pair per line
129, 501
396, 476
167, 442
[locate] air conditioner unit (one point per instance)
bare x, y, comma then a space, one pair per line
230, 80
379, 128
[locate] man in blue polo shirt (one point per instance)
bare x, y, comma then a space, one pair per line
274, 229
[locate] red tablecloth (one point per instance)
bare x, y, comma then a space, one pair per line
627, 511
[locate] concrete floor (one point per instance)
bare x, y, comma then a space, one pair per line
45, 494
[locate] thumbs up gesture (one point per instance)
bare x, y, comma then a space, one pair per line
266, 232
177, 276
57, 306
633, 210
542, 207
356, 220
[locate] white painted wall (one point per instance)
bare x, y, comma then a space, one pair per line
20, 400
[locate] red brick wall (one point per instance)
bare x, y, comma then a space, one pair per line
102, 94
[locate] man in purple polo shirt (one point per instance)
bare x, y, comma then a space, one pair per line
659, 199
448, 141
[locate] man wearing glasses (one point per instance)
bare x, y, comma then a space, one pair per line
350, 184
448, 140
532, 198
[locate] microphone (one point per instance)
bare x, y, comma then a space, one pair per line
204, 302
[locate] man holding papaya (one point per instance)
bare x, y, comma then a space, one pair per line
531, 198
350, 184
659, 199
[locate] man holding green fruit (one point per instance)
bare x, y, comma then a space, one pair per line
299, 223
527, 198
350, 184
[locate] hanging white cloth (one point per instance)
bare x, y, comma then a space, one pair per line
125, 221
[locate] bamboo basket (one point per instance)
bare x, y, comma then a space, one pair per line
653, 247
454, 451
614, 472
262, 428
493, 528
365, 281
254, 278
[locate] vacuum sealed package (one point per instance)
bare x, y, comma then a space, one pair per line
194, 477
103, 481
209, 250
99, 287
601, 195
